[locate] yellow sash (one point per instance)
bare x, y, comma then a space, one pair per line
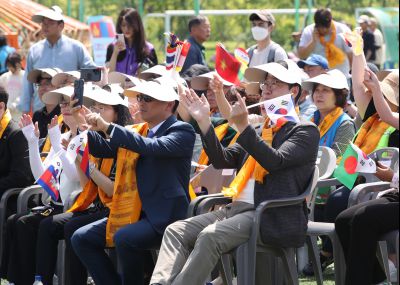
47, 143
126, 204
91, 190
334, 55
251, 167
328, 121
220, 132
370, 133
4, 122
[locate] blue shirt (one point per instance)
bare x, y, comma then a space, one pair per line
196, 55
67, 54
4, 52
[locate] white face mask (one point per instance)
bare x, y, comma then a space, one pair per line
259, 33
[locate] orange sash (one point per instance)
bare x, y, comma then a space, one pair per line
251, 167
328, 121
5, 121
91, 190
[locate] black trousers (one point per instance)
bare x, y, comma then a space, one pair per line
21, 240
59, 227
359, 228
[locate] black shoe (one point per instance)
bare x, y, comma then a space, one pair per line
308, 270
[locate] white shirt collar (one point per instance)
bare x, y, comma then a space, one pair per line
155, 129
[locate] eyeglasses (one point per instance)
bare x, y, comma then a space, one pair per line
97, 109
144, 98
271, 84
64, 104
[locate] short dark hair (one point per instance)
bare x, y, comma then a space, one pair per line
196, 21
323, 18
3, 96
13, 59
3, 39
340, 96
194, 71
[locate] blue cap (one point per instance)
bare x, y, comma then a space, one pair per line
314, 59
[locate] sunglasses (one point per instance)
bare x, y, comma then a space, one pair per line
144, 98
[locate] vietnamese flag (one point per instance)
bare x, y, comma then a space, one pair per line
226, 65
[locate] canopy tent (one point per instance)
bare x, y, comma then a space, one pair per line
16, 22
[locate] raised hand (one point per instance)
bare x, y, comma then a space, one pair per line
79, 113
53, 122
96, 122
198, 108
30, 130
239, 114
217, 85
371, 81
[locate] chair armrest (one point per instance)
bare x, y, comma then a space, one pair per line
3, 211
194, 204
206, 204
25, 195
362, 189
328, 182
71, 199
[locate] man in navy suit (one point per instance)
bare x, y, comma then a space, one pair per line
162, 170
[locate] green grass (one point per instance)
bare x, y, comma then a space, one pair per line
329, 278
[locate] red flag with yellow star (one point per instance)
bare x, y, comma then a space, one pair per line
226, 65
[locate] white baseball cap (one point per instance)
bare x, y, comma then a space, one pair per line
36, 74
201, 82
158, 70
290, 75
54, 13
118, 77
62, 77
333, 78
161, 92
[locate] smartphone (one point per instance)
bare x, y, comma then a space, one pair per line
120, 38
91, 74
78, 92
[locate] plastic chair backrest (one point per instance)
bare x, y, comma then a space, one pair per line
213, 179
389, 156
326, 162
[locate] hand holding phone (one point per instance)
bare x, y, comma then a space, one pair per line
78, 91
121, 42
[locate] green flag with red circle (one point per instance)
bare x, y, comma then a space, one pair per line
354, 161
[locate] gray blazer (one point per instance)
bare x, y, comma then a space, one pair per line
290, 162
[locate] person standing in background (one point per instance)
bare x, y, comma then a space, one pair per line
266, 50
5, 50
12, 82
135, 54
323, 38
55, 51
200, 30
379, 43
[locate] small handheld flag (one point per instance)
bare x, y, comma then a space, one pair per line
176, 52
243, 57
49, 180
226, 65
354, 40
75, 145
281, 110
354, 161
84, 151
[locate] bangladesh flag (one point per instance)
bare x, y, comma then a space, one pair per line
354, 161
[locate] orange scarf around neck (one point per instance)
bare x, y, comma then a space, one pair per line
334, 55
328, 121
